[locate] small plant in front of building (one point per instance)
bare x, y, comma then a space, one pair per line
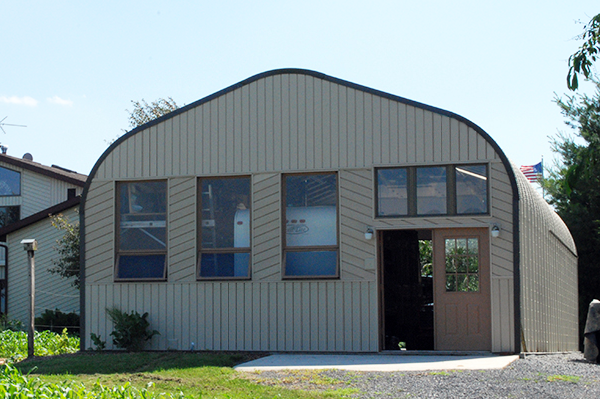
131, 329
100, 345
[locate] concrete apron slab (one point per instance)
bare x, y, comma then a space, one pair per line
377, 362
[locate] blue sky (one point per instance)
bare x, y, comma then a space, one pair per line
69, 70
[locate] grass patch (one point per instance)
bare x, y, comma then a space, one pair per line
195, 374
567, 378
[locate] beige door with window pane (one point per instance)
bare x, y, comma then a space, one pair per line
462, 289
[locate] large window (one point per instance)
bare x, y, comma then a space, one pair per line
142, 231
224, 209
311, 239
10, 182
9, 215
432, 190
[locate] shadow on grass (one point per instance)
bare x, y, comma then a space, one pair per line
121, 362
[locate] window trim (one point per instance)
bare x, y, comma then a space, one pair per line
148, 252
318, 248
451, 191
232, 250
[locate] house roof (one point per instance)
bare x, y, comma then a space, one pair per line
36, 217
54, 171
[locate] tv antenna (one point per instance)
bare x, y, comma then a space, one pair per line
7, 124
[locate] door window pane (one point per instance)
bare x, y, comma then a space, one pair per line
431, 191
462, 264
471, 189
392, 192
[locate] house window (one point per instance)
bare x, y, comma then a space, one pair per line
9, 214
224, 209
142, 231
10, 182
310, 216
471, 189
432, 190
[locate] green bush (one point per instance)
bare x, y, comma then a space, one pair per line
131, 329
6, 323
13, 344
56, 321
13, 384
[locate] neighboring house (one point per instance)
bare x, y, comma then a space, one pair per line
29, 193
285, 213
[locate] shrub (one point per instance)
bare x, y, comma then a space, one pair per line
13, 344
56, 321
131, 329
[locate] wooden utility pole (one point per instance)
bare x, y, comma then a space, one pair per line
30, 245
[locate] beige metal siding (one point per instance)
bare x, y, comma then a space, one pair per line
274, 125
255, 316
548, 276
52, 291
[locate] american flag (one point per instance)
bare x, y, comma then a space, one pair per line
533, 173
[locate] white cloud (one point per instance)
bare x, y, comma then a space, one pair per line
59, 101
28, 101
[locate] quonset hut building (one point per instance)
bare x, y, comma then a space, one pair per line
287, 212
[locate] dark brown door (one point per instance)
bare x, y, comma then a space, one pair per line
462, 289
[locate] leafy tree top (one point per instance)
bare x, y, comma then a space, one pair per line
144, 112
581, 61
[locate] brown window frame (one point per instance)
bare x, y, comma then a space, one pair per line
146, 252
217, 251
451, 191
316, 248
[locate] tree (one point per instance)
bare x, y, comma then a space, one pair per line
67, 264
581, 61
574, 188
144, 112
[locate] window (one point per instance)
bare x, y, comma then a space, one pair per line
224, 228
142, 232
10, 182
310, 215
432, 190
462, 264
471, 189
9, 214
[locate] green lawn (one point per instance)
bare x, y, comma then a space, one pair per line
206, 375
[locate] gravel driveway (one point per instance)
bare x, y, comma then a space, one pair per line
535, 376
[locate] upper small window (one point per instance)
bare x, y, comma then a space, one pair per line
142, 234
431, 191
471, 189
392, 192
225, 228
10, 182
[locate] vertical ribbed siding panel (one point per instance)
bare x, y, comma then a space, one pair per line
242, 316
548, 275
355, 215
99, 232
266, 227
182, 229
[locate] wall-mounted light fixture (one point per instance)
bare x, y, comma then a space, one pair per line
495, 231
369, 233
